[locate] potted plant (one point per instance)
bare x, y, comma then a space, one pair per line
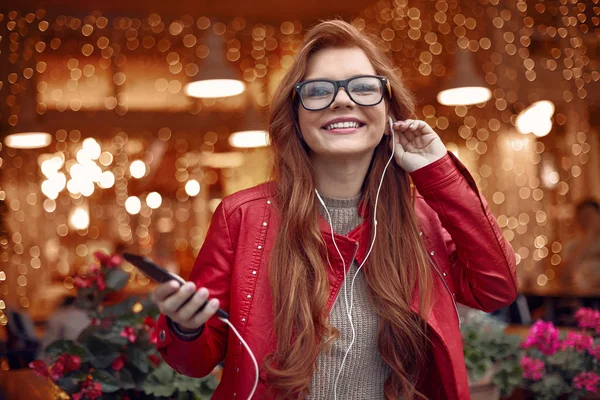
491, 356
115, 357
563, 366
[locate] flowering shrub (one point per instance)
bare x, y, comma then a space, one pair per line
490, 355
555, 367
115, 357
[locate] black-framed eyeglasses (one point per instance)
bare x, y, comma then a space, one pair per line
364, 90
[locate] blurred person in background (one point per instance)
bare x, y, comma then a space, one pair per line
582, 254
66, 323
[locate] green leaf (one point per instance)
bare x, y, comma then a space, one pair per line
66, 346
158, 390
116, 279
125, 379
109, 383
138, 358
68, 383
103, 352
187, 384
113, 337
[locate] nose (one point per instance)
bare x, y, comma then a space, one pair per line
342, 100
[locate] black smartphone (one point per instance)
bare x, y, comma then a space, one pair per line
161, 275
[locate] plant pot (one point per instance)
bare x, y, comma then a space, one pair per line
484, 391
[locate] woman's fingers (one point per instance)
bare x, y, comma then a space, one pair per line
164, 290
191, 307
172, 303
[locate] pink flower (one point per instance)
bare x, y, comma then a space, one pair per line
587, 380
119, 363
89, 390
595, 352
63, 365
149, 322
153, 337
588, 318
81, 282
532, 368
129, 333
543, 336
109, 261
94, 269
577, 341
100, 282
40, 368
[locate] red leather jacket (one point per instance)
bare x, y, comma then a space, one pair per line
471, 263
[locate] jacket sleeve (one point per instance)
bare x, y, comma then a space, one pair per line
482, 262
212, 269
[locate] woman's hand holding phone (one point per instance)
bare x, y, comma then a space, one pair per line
181, 303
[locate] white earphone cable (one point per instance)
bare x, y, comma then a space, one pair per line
349, 308
249, 352
348, 305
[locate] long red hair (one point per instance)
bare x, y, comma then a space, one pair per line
297, 271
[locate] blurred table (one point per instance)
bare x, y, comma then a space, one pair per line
554, 293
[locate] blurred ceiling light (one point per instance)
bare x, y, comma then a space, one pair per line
536, 118
154, 200
192, 187
137, 169
80, 218
253, 133
28, 140
133, 205
216, 76
464, 86
249, 139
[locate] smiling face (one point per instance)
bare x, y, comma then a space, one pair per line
344, 128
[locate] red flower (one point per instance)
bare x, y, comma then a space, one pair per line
63, 365
149, 322
108, 261
81, 282
57, 370
72, 363
100, 282
119, 363
40, 368
129, 333
94, 269
154, 359
89, 390
153, 336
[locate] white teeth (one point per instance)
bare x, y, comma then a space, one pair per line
341, 125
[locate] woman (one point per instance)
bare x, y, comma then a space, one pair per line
276, 256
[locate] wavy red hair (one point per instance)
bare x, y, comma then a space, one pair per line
397, 269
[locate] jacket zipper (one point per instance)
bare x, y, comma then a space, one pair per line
447, 288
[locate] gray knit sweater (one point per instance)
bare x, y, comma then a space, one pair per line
364, 371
